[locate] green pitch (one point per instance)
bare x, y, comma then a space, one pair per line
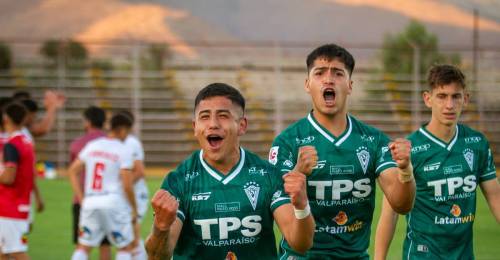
51, 236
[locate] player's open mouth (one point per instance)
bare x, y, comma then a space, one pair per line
449, 116
329, 96
214, 140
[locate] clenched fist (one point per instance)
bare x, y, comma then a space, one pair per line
165, 209
400, 151
295, 187
306, 160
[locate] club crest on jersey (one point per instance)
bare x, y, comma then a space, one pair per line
363, 157
252, 191
273, 155
469, 157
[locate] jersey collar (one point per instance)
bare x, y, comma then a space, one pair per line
438, 141
330, 137
218, 175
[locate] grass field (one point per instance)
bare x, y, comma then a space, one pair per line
51, 236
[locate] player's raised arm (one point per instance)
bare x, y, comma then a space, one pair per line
398, 183
166, 228
385, 230
74, 176
295, 220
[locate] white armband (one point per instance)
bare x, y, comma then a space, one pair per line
302, 213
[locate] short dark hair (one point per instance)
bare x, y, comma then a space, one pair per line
4, 101
30, 105
16, 112
220, 90
120, 120
20, 95
331, 52
95, 115
444, 74
129, 114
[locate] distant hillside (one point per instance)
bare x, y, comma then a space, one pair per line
182, 23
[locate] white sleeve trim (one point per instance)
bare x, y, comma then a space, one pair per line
384, 164
488, 174
278, 200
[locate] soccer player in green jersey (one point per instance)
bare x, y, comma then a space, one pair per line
351, 156
221, 201
449, 161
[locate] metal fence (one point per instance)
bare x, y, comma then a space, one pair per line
271, 77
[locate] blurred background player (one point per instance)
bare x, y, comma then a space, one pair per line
32, 127
451, 161
93, 122
140, 188
52, 101
108, 202
16, 184
351, 156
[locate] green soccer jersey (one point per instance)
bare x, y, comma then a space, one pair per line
447, 174
341, 188
226, 216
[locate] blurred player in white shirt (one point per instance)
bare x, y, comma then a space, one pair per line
140, 188
108, 202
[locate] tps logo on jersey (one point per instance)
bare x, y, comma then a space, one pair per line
455, 210
252, 190
231, 256
341, 218
273, 155
363, 157
469, 157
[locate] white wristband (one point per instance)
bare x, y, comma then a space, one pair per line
302, 213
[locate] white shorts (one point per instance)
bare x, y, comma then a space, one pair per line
141, 198
115, 223
13, 235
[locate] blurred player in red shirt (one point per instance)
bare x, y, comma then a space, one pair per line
16, 184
